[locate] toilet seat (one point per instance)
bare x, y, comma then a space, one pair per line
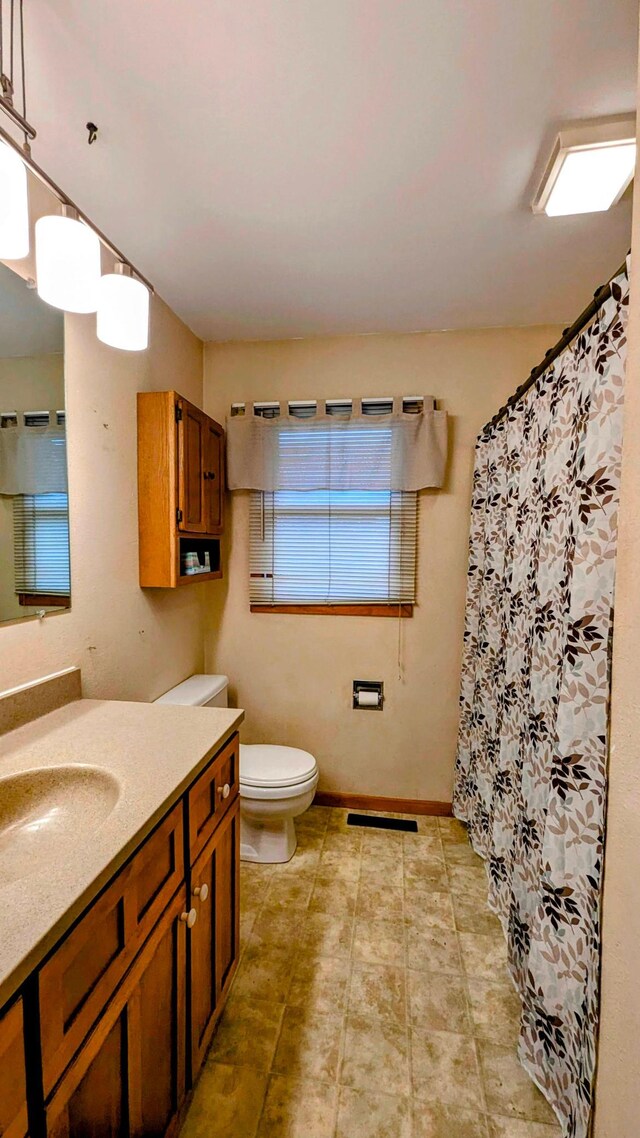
265, 766
277, 793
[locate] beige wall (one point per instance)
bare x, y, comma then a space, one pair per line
293, 674
131, 643
32, 383
618, 1082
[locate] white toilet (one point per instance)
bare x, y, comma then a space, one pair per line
277, 784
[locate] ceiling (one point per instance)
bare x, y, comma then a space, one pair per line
28, 326
285, 168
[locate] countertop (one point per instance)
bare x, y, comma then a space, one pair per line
154, 751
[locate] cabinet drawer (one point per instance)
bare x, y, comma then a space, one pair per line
80, 978
207, 803
13, 1079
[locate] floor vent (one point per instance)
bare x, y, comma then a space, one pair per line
380, 823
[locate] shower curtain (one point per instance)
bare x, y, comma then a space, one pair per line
532, 748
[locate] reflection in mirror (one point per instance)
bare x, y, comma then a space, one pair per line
34, 517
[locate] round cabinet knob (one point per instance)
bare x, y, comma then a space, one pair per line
201, 891
224, 791
189, 918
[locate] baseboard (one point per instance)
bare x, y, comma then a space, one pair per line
385, 805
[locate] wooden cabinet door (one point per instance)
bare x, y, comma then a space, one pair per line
13, 1078
227, 898
192, 453
81, 976
214, 937
214, 476
128, 1081
92, 1101
157, 1035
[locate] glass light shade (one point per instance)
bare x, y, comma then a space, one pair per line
123, 312
591, 180
14, 205
67, 263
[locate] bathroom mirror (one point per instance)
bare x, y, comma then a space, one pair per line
34, 515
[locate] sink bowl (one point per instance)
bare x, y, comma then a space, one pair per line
46, 812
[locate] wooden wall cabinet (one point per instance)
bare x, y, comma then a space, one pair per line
180, 488
129, 999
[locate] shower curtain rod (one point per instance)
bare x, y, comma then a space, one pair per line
600, 295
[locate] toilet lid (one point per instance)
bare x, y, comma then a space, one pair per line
263, 764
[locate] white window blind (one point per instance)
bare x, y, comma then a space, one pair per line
325, 547
41, 543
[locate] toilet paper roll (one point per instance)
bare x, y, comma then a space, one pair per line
368, 699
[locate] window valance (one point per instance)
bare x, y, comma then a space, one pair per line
33, 460
356, 450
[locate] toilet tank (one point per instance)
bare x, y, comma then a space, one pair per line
198, 691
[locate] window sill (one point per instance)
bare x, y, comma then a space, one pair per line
44, 600
397, 610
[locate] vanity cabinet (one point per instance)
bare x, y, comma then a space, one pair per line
77, 982
128, 1001
214, 939
13, 1073
212, 795
180, 489
129, 1077
214, 852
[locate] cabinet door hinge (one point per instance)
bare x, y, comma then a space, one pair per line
178, 516
178, 413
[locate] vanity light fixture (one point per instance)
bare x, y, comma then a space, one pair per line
68, 252
590, 167
67, 262
123, 310
14, 207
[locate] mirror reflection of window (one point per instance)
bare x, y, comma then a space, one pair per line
34, 514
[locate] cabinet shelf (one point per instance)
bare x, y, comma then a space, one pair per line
188, 579
180, 489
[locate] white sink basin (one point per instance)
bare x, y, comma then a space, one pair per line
45, 812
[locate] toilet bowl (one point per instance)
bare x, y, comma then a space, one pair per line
277, 784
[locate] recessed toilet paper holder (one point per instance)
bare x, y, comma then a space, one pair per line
368, 695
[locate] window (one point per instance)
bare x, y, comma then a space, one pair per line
41, 547
334, 502
333, 548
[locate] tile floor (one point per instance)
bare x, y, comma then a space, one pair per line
371, 999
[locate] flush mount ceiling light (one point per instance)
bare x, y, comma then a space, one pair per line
68, 250
123, 311
590, 167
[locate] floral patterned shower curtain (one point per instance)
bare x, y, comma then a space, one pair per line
532, 749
